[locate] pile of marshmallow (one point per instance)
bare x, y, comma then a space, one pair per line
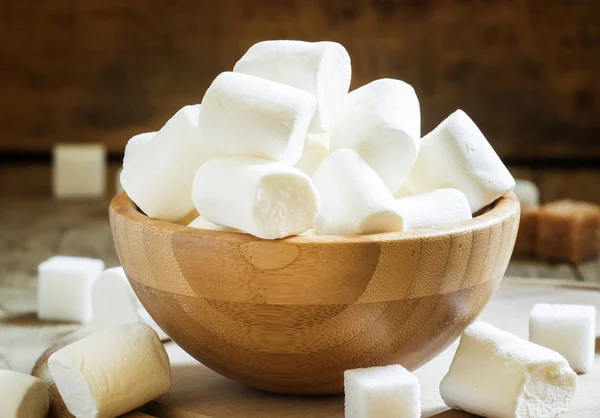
278, 147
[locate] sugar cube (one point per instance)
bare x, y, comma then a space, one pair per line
567, 329
78, 171
64, 287
382, 392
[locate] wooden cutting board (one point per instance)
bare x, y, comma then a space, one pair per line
198, 392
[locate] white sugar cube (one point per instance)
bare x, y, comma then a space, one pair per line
382, 392
354, 199
64, 285
320, 68
267, 199
78, 171
382, 122
243, 115
567, 329
457, 155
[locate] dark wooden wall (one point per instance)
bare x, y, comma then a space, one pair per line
86, 70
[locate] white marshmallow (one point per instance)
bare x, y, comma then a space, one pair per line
569, 330
22, 396
159, 178
309, 233
456, 154
435, 208
320, 68
112, 372
267, 199
496, 374
201, 223
78, 171
64, 285
382, 122
403, 191
528, 193
243, 115
135, 145
114, 302
354, 200
316, 148
382, 392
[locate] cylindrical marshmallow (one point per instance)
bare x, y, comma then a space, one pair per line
496, 374
22, 396
135, 144
202, 223
456, 154
114, 302
316, 148
113, 372
382, 122
435, 208
528, 193
243, 115
403, 191
267, 199
159, 177
354, 199
320, 68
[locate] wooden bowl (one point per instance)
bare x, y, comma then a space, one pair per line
291, 315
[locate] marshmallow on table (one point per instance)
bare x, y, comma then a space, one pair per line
78, 171
320, 68
316, 148
382, 122
201, 223
64, 285
435, 208
569, 330
22, 396
267, 199
496, 374
382, 392
158, 178
112, 372
456, 154
243, 115
114, 302
528, 193
135, 145
354, 199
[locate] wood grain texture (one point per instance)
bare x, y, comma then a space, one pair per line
291, 315
88, 71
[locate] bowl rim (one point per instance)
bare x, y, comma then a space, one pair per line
502, 208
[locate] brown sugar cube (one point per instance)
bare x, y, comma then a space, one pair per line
568, 231
527, 236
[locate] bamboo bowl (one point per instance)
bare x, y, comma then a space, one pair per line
291, 315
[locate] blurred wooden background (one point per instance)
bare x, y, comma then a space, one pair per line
100, 71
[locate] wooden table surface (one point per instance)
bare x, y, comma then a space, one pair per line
33, 229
